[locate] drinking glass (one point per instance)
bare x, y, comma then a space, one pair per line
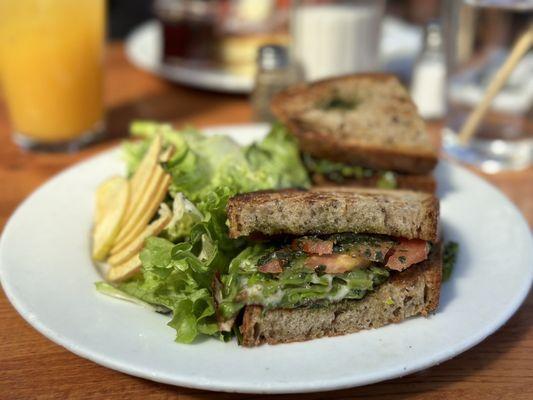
336, 37
479, 36
51, 72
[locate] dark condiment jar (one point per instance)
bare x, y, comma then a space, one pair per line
189, 30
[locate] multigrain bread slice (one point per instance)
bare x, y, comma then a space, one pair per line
401, 213
420, 183
415, 291
364, 119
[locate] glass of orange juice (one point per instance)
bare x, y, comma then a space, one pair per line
51, 71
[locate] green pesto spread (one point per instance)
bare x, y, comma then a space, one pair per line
449, 258
339, 172
297, 285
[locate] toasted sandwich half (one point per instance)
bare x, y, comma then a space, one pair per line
329, 262
362, 130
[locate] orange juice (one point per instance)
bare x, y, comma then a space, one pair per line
51, 54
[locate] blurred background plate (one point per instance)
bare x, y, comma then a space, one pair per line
400, 44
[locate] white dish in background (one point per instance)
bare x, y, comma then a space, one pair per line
400, 43
144, 50
47, 274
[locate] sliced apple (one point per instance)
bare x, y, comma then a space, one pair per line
125, 270
134, 247
142, 176
111, 201
166, 154
138, 222
143, 203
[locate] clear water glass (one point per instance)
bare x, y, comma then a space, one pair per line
479, 36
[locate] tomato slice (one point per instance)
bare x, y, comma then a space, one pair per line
313, 245
272, 267
372, 251
407, 253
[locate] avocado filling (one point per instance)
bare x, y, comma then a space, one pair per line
306, 271
339, 172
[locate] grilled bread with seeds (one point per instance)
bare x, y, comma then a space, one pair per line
364, 119
400, 213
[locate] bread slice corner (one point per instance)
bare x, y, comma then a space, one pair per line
362, 119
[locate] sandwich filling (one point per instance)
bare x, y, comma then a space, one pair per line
340, 172
312, 270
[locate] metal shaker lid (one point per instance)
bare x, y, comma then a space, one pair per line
272, 56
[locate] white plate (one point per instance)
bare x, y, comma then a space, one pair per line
400, 41
47, 274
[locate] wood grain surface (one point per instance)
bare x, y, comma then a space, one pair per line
31, 366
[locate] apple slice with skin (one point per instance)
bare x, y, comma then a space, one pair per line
143, 204
125, 270
111, 201
145, 191
149, 210
165, 215
102, 198
166, 154
142, 175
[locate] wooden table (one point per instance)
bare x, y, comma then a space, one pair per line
32, 366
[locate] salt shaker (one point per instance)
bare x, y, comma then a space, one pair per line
429, 75
274, 73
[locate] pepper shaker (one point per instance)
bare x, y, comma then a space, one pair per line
274, 73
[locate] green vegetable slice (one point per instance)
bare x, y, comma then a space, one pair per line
449, 258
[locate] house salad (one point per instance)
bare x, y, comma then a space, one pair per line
160, 233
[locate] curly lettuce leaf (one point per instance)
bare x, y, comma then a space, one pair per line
112, 291
202, 163
176, 277
184, 216
132, 154
277, 157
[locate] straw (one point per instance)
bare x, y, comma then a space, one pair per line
521, 47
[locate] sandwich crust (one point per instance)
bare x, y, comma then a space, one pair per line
377, 125
400, 213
